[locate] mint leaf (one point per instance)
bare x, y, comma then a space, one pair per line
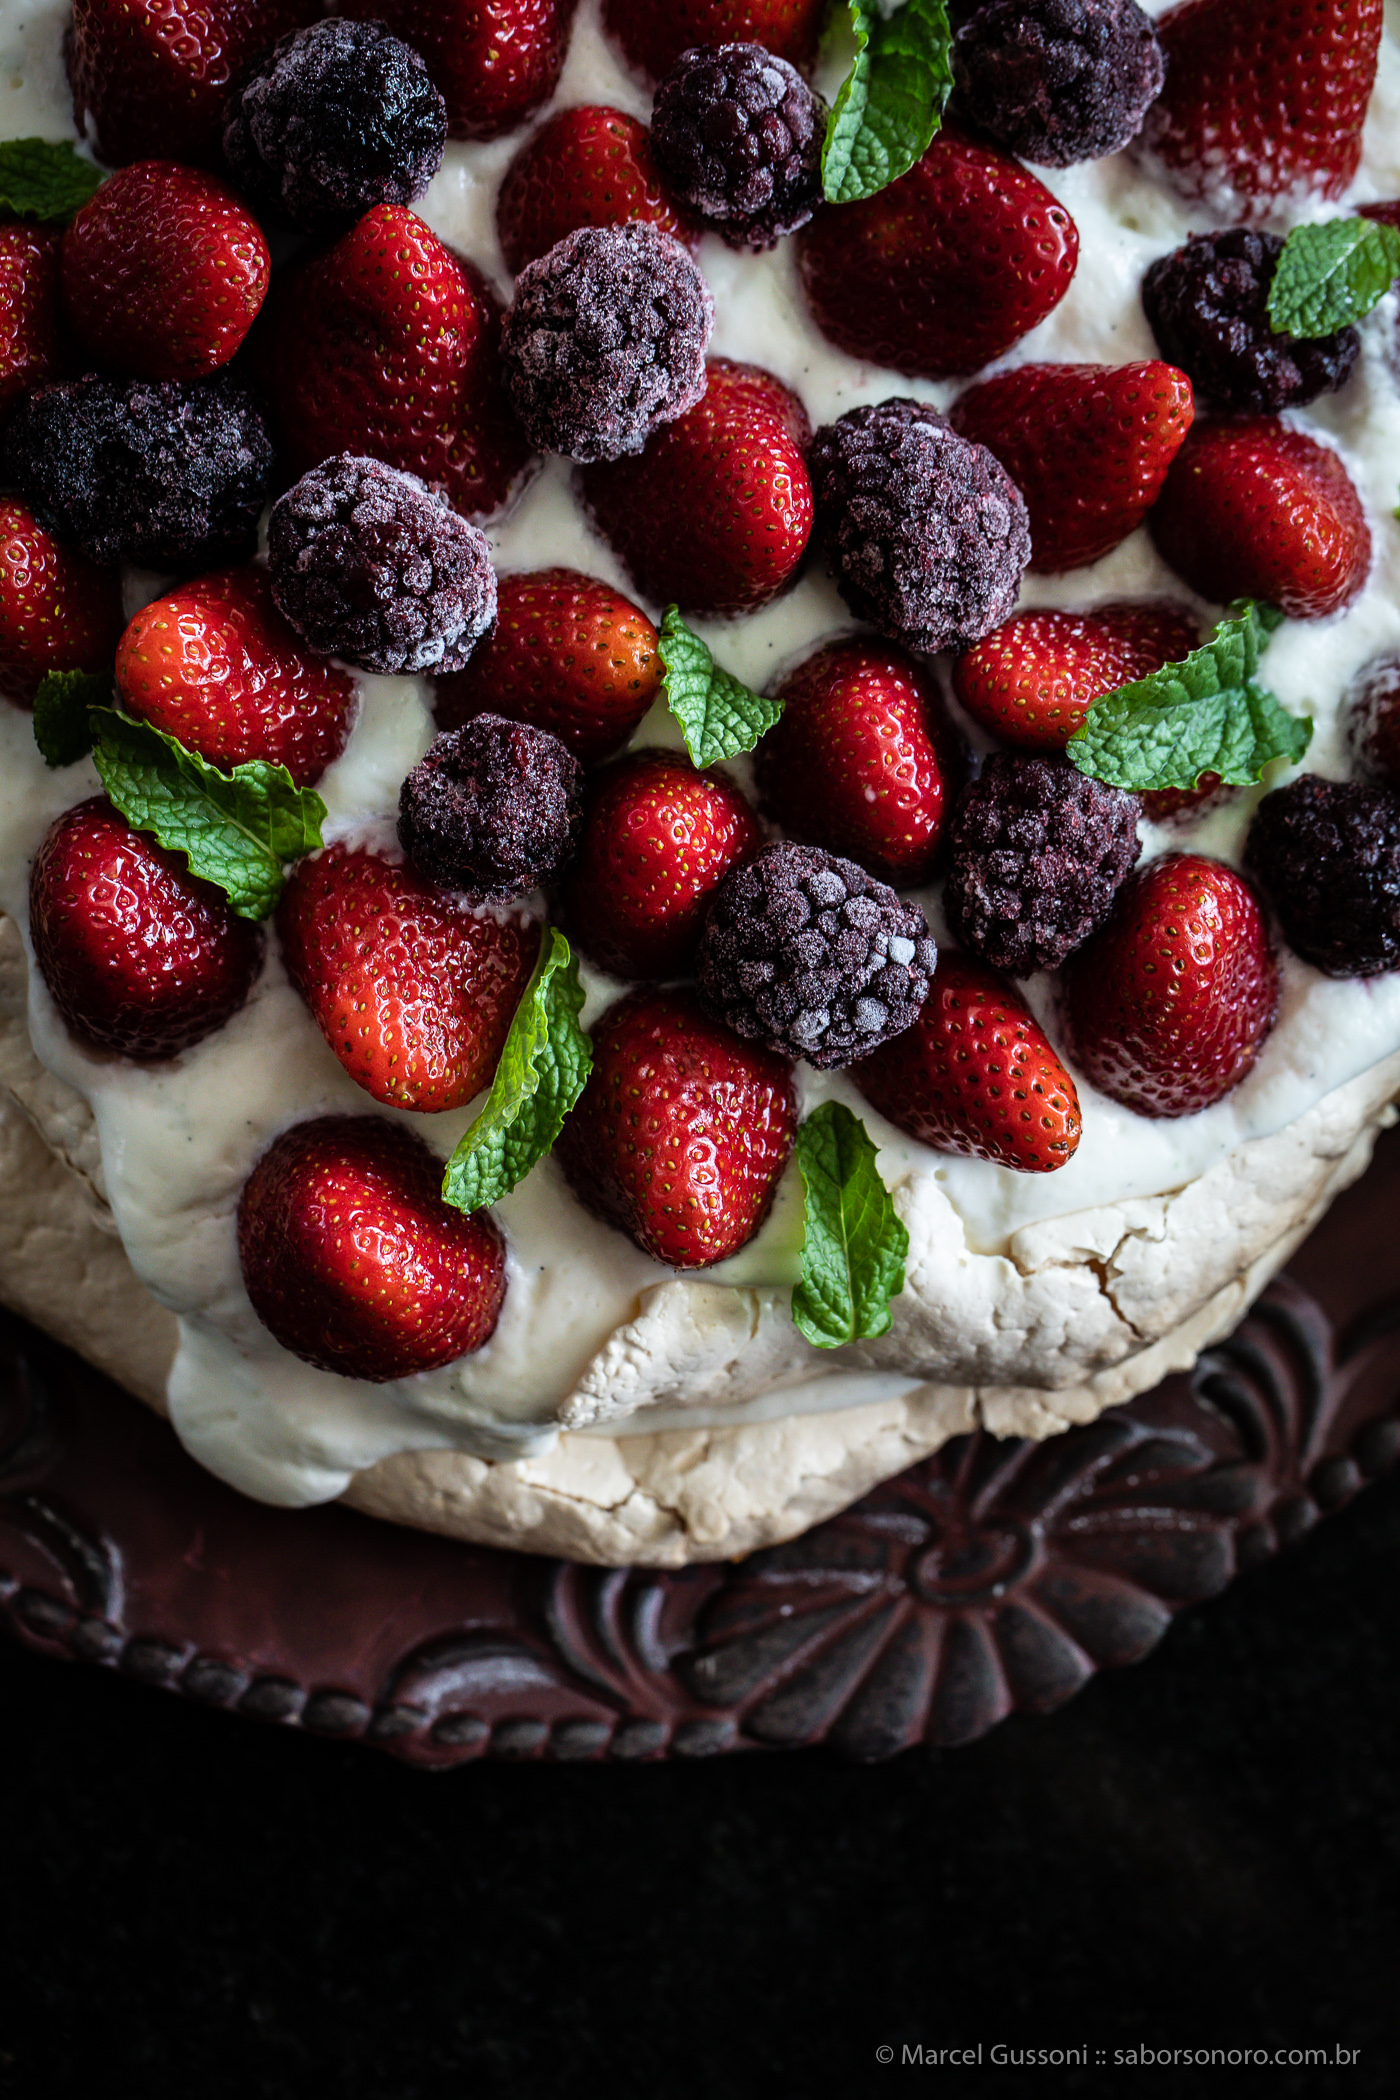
891, 102
1332, 274
43, 180
853, 1246
1206, 714
61, 709
719, 715
543, 1067
235, 829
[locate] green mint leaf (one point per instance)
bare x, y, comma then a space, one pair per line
891, 102
235, 829
853, 1246
62, 705
719, 715
1332, 274
543, 1067
43, 180
1206, 714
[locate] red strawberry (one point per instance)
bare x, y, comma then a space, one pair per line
1032, 680
569, 654
716, 511
353, 1260
682, 1131
163, 272
586, 166
944, 270
139, 957
1087, 445
859, 760
217, 666
387, 343
151, 75
976, 1075
1168, 1003
413, 989
1256, 509
658, 839
58, 611
1257, 108
492, 61
653, 33
31, 343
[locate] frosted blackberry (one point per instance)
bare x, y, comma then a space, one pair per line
926, 531
1207, 304
370, 565
1057, 81
807, 953
169, 474
737, 133
493, 809
1373, 718
1036, 852
331, 120
605, 340
1327, 854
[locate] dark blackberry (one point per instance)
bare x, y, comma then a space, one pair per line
493, 809
605, 340
1057, 81
1036, 851
332, 120
807, 953
371, 565
926, 531
1373, 718
1208, 306
1327, 853
169, 474
737, 134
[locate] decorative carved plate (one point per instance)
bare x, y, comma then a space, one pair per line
995, 1577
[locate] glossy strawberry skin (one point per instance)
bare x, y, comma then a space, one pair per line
682, 1131
859, 761
1256, 509
943, 271
352, 1259
32, 348
976, 1075
585, 166
1032, 680
217, 666
658, 839
1168, 1003
1089, 447
58, 611
388, 344
1255, 108
139, 957
413, 991
653, 33
568, 653
716, 511
492, 61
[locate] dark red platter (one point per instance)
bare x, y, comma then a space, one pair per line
993, 1578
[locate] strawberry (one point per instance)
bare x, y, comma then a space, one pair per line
715, 512
387, 344
1256, 509
569, 654
150, 76
682, 1131
1168, 1003
944, 270
1256, 109
492, 61
653, 33
32, 350
859, 760
413, 990
139, 956
58, 611
352, 1259
976, 1075
1088, 446
585, 166
217, 666
658, 839
1032, 680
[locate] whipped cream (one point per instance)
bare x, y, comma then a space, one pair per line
179, 1139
